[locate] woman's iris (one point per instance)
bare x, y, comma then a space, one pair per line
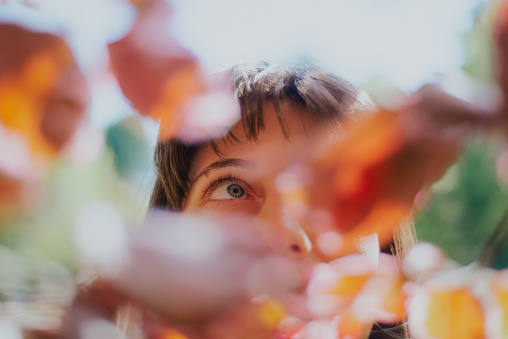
236, 191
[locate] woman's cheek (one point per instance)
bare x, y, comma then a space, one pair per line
245, 206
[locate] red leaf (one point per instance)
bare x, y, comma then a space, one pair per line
155, 73
371, 178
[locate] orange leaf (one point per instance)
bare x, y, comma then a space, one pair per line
350, 327
350, 285
43, 95
454, 314
373, 175
271, 312
157, 81
395, 300
172, 334
177, 89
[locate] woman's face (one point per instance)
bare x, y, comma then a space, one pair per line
244, 177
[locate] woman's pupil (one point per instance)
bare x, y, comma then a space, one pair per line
236, 191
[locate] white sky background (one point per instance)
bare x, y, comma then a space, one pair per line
406, 42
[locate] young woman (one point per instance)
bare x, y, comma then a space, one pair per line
284, 112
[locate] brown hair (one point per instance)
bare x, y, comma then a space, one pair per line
324, 96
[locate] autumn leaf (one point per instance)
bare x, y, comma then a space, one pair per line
358, 290
270, 312
454, 303
373, 175
164, 81
344, 326
156, 80
156, 85
454, 314
349, 326
43, 95
172, 334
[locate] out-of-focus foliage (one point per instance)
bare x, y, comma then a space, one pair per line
45, 231
129, 146
478, 44
375, 174
470, 194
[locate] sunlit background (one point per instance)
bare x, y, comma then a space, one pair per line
387, 47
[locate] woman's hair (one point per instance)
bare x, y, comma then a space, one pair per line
324, 96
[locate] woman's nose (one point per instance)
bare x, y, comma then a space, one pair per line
283, 231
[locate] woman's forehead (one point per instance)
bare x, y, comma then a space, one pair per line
274, 141
288, 118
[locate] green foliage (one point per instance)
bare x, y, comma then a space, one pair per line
45, 233
129, 146
466, 207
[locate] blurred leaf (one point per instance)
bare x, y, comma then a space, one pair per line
156, 80
129, 146
372, 176
479, 44
43, 95
164, 81
358, 290
454, 314
271, 312
464, 210
172, 334
350, 285
350, 327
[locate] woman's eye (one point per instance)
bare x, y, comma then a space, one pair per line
228, 191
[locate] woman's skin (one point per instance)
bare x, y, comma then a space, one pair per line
243, 177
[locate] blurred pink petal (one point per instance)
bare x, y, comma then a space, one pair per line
100, 237
187, 267
86, 145
355, 285
16, 160
43, 93
424, 260
21, 173
209, 115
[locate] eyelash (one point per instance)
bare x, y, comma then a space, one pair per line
225, 178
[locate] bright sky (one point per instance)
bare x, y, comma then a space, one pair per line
404, 41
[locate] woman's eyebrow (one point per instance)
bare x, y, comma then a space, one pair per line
221, 164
